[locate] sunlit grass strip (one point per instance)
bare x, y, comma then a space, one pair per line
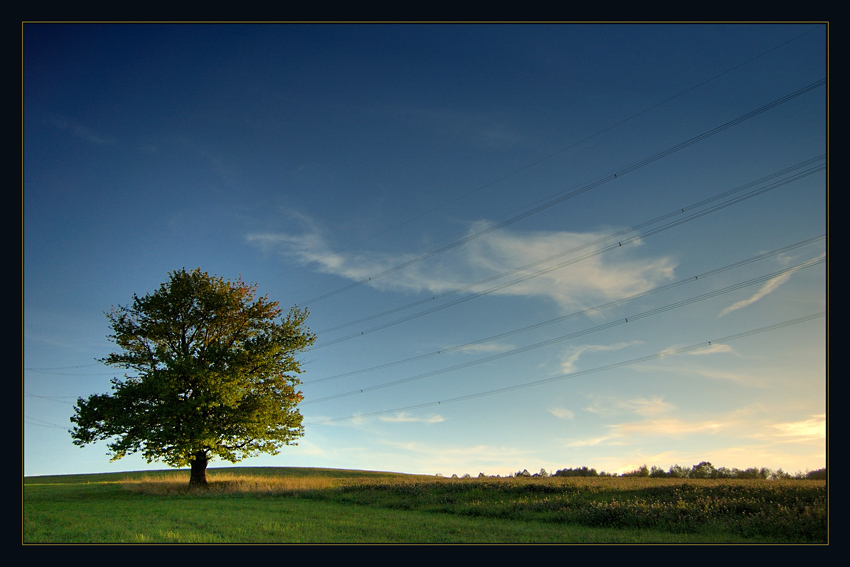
228, 482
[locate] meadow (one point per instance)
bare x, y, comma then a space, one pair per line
289, 505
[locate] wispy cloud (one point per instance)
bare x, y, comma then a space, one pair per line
641, 406
483, 348
767, 288
814, 428
81, 131
476, 265
771, 285
562, 413
589, 441
746, 424
648, 406
670, 427
571, 356
683, 370
577, 285
714, 348
407, 418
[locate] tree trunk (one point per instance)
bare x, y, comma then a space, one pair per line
199, 469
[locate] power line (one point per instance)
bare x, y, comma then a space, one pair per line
560, 339
571, 261
558, 152
42, 423
563, 197
577, 313
40, 371
51, 398
64, 367
676, 212
662, 354
54, 369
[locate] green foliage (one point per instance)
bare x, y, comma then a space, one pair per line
703, 470
642, 471
214, 373
657, 472
579, 471
819, 474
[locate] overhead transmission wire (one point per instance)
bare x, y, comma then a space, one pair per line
60, 399
44, 370
54, 369
555, 267
678, 211
556, 340
571, 261
565, 196
42, 423
41, 371
662, 354
541, 272
553, 154
532, 164
575, 314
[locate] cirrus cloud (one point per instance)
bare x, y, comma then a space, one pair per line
510, 263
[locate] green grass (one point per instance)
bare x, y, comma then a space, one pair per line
280, 505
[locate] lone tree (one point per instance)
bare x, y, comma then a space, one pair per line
214, 376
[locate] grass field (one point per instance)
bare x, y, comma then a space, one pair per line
282, 505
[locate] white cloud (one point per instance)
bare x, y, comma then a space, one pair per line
590, 441
648, 406
814, 428
579, 285
771, 285
670, 427
571, 356
562, 413
714, 348
642, 406
483, 348
767, 288
407, 418
744, 425
743, 377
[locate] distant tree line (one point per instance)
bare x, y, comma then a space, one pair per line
702, 470
706, 470
579, 471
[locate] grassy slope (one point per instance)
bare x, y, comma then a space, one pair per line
271, 505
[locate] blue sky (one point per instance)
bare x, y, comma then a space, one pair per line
522, 246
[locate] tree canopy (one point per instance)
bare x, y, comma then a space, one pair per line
214, 374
